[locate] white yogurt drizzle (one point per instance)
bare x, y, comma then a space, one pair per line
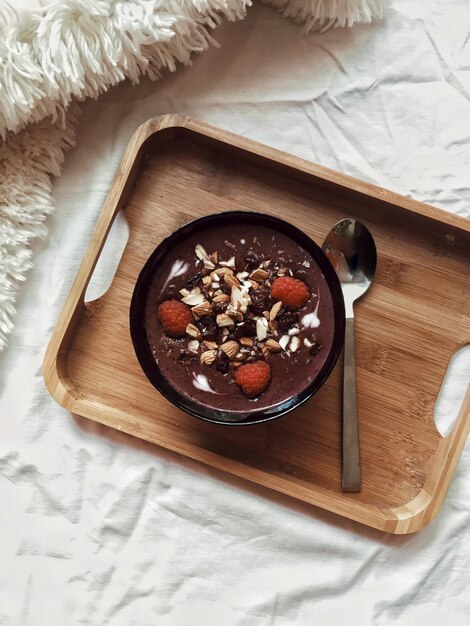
201, 382
311, 320
179, 267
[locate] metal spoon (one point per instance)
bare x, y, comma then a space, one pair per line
351, 250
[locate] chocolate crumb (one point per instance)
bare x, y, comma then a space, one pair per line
260, 301
252, 258
194, 279
187, 355
222, 362
286, 319
219, 307
208, 327
303, 276
171, 294
315, 349
245, 329
204, 292
225, 288
169, 342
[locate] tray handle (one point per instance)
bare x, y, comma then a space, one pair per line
54, 370
424, 507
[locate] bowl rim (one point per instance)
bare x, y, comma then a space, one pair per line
139, 335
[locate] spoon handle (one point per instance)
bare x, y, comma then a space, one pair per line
351, 473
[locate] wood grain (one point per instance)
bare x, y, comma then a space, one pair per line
407, 327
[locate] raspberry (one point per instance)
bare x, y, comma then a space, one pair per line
253, 378
292, 291
174, 316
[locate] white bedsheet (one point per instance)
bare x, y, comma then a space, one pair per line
99, 528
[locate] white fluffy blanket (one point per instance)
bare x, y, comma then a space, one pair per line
77, 49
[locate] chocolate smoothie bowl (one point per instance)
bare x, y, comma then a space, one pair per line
237, 318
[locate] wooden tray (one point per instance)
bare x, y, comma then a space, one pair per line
407, 327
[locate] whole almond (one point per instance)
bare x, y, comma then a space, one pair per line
275, 310
224, 320
223, 297
265, 351
273, 345
230, 348
221, 271
201, 309
208, 357
193, 331
259, 275
215, 275
231, 280
273, 327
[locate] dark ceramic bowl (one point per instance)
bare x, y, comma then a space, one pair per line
139, 335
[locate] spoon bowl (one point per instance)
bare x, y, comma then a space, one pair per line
351, 250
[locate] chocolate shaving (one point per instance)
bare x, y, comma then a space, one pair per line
315, 349
252, 258
187, 355
194, 279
